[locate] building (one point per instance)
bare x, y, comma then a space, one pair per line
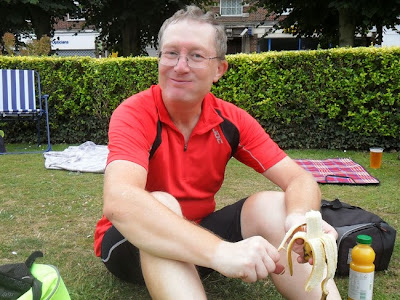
72, 38
391, 37
248, 31
252, 31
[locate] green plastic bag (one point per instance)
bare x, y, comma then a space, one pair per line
53, 287
31, 281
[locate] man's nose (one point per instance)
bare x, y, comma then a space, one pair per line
183, 62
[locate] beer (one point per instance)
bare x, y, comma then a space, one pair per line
375, 157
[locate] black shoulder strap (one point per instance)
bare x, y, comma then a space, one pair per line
231, 133
336, 204
31, 259
37, 284
17, 279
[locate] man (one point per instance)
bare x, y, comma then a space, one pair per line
169, 147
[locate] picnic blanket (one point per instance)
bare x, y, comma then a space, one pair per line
87, 157
337, 170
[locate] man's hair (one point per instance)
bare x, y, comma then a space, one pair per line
194, 13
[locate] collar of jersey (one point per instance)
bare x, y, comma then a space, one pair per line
209, 118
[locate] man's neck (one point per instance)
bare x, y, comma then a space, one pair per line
185, 116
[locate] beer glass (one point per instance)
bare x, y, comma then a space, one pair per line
375, 155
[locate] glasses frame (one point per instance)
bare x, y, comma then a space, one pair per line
187, 60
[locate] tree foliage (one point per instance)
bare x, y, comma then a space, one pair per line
334, 21
12, 17
37, 47
128, 26
125, 26
38, 16
8, 43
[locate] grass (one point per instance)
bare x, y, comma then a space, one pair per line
56, 212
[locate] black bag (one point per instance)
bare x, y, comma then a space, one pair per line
350, 221
17, 279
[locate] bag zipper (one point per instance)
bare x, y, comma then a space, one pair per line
355, 229
57, 283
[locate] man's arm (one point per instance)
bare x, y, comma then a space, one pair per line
147, 223
154, 228
302, 192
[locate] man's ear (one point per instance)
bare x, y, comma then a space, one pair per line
222, 68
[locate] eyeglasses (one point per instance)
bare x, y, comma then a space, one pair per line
194, 60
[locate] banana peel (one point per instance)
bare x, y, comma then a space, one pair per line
319, 246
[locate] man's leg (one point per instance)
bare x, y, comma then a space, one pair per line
264, 214
169, 279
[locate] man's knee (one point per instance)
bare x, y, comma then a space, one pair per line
271, 201
264, 214
169, 201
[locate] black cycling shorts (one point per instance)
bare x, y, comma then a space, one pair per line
123, 260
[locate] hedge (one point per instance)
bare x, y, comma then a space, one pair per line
345, 98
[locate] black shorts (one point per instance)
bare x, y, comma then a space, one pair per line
123, 260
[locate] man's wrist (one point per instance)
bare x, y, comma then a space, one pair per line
294, 219
218, 255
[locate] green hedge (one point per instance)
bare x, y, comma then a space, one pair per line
341, 98
83, 93
338, 98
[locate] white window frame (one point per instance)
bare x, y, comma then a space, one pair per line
236, 5
72, 19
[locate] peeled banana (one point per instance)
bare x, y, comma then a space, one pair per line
319, 246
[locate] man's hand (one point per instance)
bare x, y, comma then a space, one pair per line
297, 219
251, 259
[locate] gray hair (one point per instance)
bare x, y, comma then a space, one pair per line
194, 13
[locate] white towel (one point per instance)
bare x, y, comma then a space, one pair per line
87, 157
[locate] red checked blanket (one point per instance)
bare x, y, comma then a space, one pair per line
337, 170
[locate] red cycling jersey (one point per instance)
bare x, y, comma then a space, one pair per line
193, 172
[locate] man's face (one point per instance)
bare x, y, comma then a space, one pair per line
181, 82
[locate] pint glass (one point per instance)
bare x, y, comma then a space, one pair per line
375, 157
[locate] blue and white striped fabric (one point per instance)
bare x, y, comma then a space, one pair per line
17, 92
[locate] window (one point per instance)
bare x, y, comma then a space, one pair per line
231, 7
74, 17
77, 15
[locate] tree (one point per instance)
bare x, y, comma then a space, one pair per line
38, 47
9, 43
334, 21
128, 26
37, 15
12, 17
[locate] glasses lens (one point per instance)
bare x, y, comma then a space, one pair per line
197, 64
167, 59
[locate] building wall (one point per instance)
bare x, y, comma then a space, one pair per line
391, 37
262, 39
247, 33
71, 38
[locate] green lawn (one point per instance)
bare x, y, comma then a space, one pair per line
56, 212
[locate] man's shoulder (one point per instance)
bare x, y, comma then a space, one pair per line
142, 101
222, 104
145, 95
141, 107
229, 109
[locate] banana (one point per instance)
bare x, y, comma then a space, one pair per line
319, 246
